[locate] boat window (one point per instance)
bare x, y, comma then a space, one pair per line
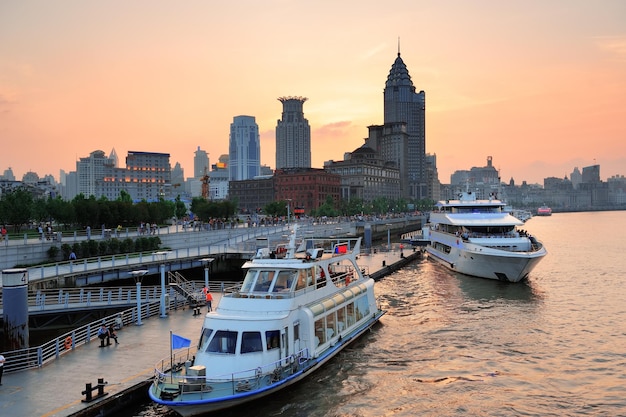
204, 337
350, 314
251, 342
296, 330
320, 334
341, 319
284, 281
264, 281
224, 341
272, 339
362, 308
248, 281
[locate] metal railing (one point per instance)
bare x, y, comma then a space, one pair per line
38, 356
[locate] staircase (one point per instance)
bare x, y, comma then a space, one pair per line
186, 288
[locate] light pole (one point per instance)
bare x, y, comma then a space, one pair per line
207, 264
138, 275
288, 209
388, 236
163, 256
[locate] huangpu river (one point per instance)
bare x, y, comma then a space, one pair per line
452, 345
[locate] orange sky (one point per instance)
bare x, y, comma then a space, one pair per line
539, 86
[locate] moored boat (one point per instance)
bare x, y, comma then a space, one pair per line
481, 239
544, 211
289, 317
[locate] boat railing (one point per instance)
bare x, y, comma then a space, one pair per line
178, 373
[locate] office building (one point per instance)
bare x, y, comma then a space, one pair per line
244, 149
200, 163
293, 135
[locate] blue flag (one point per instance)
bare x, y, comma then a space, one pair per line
180, 342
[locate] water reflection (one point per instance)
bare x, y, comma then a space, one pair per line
481, 289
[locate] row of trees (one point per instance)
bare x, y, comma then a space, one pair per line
354, 206
18, 207
93, 248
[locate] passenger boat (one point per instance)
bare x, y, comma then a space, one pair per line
481, 239
544, 211
289, 317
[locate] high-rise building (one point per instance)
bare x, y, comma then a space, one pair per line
293, 135
402, 138
200, 163
91, 171
244, 151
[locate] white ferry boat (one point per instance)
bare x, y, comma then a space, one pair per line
481, 239
291, 315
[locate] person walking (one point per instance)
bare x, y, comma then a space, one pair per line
2, 361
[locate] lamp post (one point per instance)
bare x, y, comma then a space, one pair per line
163, 256
388, 236
207, 264
138, 275
288, 209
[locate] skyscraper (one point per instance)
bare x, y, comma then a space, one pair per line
403, 136
293, 135
244, 149
200, 163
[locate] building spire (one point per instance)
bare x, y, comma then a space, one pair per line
398, 46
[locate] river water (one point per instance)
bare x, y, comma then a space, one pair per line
452, 345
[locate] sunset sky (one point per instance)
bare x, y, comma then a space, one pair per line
538, 85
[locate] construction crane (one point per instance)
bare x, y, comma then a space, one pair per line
205, 184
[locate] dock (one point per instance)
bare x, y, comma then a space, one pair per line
118, 375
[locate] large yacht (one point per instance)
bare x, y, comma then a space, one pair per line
481, 239
295, 310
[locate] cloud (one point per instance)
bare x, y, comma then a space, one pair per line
5, 104
615, 46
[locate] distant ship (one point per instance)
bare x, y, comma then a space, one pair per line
544, 211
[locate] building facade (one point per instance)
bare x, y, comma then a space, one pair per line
200, 163
91, 172
244, 149
366, 176
293, 135
253, 194
306, 188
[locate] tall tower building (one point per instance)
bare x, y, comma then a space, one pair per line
404, 106
200, 163
244, 149
293, 135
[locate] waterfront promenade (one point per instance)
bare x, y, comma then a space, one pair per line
55, 390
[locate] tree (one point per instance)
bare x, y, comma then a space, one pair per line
181, 209
17, 206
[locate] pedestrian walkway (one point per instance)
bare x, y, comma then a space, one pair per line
55, 390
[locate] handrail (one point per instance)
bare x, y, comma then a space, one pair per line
38, 356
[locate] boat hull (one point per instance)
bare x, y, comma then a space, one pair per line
484, 262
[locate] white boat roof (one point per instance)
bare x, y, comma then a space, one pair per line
481, 219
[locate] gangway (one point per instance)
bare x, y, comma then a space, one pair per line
186, 288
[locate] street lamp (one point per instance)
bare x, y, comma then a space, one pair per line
137, 276
288, 209
163, 256
207, 264
388, 236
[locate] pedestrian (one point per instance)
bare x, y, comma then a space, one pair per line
2, 360
4, 233
103, 333
209, 300
72, 256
